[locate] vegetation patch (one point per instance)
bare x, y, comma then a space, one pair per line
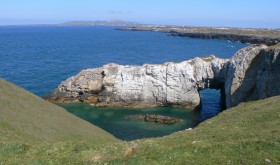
246, 134
276, 45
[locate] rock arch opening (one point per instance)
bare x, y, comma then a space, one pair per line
212, 103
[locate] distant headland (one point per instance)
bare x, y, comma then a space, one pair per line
243, 35
90, 23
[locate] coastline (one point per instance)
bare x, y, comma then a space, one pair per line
242, 35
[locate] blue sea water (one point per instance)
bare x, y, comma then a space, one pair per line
39, 58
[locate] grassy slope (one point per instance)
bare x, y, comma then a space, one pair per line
246, 134
27, 120
276, 46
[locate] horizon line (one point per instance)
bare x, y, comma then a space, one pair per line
62, 23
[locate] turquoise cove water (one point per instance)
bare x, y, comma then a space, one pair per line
117, 121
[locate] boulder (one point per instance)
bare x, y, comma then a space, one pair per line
156, 118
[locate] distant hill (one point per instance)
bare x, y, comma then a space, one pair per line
99, 23
26, 118
89, 23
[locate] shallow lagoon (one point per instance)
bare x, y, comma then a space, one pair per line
116, 121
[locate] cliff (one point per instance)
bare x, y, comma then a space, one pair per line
251, 74
169, 84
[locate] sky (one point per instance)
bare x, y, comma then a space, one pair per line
227, 13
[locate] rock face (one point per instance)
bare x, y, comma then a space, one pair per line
252, 73
169, 84
231, 37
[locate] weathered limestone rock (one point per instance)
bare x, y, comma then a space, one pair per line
253, 73
175, 84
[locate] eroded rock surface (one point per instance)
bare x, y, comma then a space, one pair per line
252, 73
175, 84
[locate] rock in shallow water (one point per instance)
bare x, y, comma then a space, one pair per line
156, 119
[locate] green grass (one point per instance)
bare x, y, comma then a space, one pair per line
246, 134
27, 118
276, 45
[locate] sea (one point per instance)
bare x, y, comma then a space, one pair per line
39, 58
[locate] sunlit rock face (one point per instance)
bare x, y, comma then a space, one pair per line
172, 84
252, 73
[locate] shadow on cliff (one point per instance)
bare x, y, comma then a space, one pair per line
261, 79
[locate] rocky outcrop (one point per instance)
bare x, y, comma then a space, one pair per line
252, 73
230, 37
156, 119
169, 84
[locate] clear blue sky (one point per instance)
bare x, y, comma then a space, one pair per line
237, 13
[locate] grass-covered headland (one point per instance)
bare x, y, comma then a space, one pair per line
33, 131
